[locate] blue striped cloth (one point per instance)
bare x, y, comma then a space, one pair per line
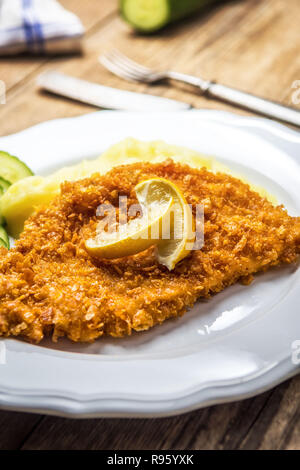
38, 26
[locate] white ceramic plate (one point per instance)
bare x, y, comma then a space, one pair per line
237, 344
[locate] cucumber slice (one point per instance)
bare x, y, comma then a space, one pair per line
4, 239
151, 15
4, 185
146, 16
12, 169
2, 243
1, 216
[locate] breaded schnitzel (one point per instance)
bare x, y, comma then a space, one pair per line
49, 285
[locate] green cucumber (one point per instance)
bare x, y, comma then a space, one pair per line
151, 15
4, 239
4, 185
1, 193
12, 169
2, 243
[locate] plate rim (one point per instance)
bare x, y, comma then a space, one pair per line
209, 394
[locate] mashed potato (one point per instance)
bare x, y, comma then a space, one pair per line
23, 197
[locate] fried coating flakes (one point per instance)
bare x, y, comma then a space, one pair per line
49, 285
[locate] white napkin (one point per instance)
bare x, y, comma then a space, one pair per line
38, 26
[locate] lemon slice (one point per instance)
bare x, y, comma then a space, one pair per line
178, 233
167, 222
135, 236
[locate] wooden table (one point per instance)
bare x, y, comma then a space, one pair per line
250, 44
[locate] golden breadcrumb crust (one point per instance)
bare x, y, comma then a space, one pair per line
49, 285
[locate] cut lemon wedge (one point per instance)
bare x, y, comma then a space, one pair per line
178, 234
135, 236
167, 222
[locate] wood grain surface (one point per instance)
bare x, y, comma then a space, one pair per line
253, 45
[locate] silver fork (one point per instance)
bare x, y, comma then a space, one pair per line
126, 68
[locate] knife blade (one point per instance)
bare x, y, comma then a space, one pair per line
103, 96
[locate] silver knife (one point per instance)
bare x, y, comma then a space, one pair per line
103, 96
